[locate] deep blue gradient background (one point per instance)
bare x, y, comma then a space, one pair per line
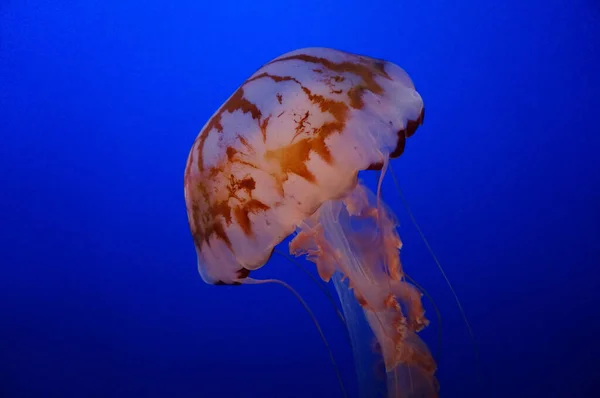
100, 102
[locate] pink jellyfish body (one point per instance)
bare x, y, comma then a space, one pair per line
282, 155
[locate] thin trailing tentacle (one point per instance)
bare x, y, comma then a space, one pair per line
440, 268
251, 281
322, 287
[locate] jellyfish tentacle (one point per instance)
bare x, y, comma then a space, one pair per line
252, 281
321, 287
441, 269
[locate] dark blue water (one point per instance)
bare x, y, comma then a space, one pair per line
100, 102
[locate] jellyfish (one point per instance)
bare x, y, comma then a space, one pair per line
280, 158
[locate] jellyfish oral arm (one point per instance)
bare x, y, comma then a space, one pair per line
356, 237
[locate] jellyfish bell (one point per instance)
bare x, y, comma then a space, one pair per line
293, 136
282, 155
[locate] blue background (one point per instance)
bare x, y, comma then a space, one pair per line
100, 102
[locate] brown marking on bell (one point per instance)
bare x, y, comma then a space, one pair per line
300, 125
303, 120
292, 158
222, 209
187, 176
244, 142
254, 206
200, 140
205, 224
380, 66
318, 70
242, 214
245, 163
399, 150
235, 103
240, 158
338, 109
213, 171
279, 98
322, 149
355, 95
242, 273
238, 102
198, 222
411, 127
194, 222
248, 184
375, 166
263, 128
279, 179
330, 81
217, 228
232, 187
243, 220
275, 78
329, 128
367, 71
209, 222
230, 153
